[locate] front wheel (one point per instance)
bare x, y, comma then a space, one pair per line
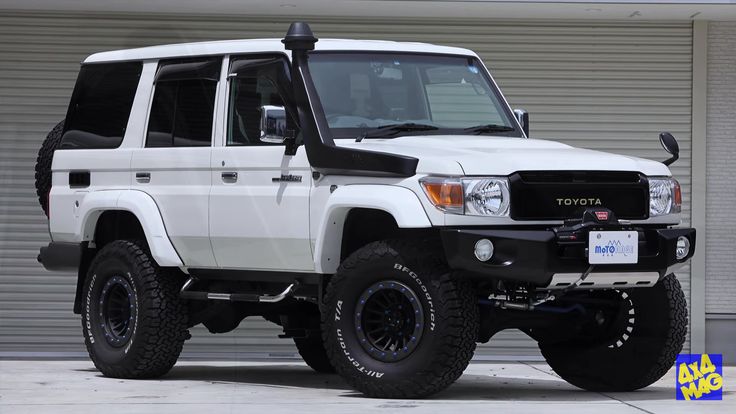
133, 321
395, 324
625, 347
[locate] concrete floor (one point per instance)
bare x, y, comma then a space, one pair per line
275, 387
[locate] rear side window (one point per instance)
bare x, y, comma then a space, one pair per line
100, 105
183, 104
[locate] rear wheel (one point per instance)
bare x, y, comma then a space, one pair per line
133, 321
628, 346
395, 324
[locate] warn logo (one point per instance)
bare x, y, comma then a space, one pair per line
601, 215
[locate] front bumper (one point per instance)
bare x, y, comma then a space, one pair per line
536, 256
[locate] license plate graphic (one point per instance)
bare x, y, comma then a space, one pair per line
611, 247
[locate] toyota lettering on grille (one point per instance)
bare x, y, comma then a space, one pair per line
579, 201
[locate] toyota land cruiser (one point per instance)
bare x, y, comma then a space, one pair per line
380, 201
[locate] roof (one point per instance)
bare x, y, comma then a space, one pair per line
224, 47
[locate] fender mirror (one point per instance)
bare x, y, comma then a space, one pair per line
273, 124
523, 117
669, 143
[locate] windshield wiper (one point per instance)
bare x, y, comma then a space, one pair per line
482, 129
385, 131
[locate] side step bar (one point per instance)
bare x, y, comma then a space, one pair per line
235, 297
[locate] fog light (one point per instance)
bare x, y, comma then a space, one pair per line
483, 250
681, 251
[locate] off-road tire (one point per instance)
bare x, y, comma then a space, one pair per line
637, 359
43, 165
447, 342
313, 353
158, 316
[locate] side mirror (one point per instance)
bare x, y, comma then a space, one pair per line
273, 124
523, 117
669, 143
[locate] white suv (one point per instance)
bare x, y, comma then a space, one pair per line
378, 200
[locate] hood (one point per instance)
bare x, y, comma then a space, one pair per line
488, 155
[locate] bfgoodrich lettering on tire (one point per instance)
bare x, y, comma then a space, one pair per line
639, 348
395, 324
133, 321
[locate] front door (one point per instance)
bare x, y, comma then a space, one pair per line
259, 203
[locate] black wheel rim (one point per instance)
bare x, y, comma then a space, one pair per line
117, 311
389, 321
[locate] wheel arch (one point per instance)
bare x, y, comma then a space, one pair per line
355, 215
129, 207
128, 214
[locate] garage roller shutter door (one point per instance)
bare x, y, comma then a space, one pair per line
603, 85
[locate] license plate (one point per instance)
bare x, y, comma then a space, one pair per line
607, 247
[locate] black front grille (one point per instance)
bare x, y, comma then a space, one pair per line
554, 195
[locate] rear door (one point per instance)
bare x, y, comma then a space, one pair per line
259, 204
174, 164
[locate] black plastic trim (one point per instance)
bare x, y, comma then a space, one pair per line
533, 193
79, 179
58, 256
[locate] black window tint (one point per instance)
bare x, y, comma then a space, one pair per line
247, 95
181, 113
257, 81
100, 105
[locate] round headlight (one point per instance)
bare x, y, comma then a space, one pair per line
660, 197
487, 197
683, 248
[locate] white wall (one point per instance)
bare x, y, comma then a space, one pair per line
721, 170
720, 280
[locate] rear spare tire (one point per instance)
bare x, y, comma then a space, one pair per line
43, 165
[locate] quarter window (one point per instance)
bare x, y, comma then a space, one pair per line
100, 105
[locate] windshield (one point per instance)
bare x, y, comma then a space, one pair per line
365, 94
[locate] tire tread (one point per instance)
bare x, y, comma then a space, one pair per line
459, 317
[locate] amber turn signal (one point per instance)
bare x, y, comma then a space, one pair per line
445, 194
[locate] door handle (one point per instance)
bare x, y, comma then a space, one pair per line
229, 177
143, 177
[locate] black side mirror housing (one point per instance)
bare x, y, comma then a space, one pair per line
523, 117
669, 143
